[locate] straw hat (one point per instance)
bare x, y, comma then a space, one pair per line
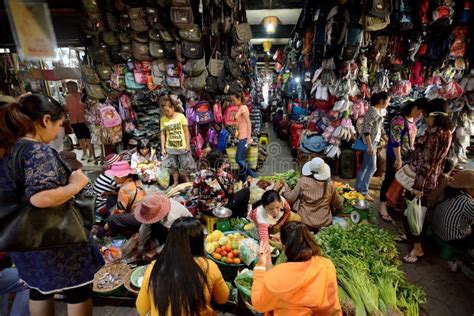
119, 169
153, 208
463, 179
318, 168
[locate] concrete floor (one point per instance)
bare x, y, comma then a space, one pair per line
448, 293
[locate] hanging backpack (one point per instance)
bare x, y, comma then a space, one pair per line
337, 26
398, 45
197, 143
379, 8
379, 49
230, 115
109, 117
405, 15
217, 109
211, 136
191, 114
438, 46
203, 112
222, 140
353, 42
458, 48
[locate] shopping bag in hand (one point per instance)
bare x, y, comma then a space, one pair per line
415, 214
394, 193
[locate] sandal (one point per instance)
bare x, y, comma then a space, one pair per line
412, 259
369, 198
386, 218
401, 238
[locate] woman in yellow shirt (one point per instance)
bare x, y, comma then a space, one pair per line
182, 281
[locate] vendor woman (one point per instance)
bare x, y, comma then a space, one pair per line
273, 212
316, 195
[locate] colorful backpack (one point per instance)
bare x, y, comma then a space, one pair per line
222, 139
109, 117
218, 112
203, 113
191, 113
211, 136
230, 115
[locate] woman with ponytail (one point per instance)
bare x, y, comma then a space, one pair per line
26, 128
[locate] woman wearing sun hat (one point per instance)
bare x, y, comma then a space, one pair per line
130, 194
316, 195
157, 213
453, 218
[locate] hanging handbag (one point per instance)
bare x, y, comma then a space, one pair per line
104, 72
232, 68
394, 193
89, 75
170, 49
194, 67
166, 36
95, 91
137, 19
242, 33
406, 177
110, 38
215, 65
25, 227
193, 34
99, 54
182, 17
141, 51
212, 85
196, 83
359, 145
192, 50
156, 49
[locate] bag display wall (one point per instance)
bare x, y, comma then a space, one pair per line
339, 54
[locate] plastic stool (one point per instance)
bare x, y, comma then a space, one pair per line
210, 222
448, 252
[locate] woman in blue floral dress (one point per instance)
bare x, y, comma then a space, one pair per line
33, 123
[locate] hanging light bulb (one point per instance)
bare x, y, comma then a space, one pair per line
270, 23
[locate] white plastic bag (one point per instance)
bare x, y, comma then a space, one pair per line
163, 177
415, 214
248, 251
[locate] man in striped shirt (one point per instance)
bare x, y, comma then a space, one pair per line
105, 187
453, 219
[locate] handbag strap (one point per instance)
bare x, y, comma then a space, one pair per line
227, 195
130, 204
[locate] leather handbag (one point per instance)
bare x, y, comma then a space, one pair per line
179, 56
95, 91
196, 83
141, 51
169, 49
126, 51
242, 33
141, 37
182, 17
125, 38
359, 145
110, 38
137, 19
232, 68
154, 35
116, 54
215, 65
193, 34
194, 67
112, 22
90, 75
212, 85
156, 49
104, 72
192, 50
99, 54
25, 227
406, 177
166, 36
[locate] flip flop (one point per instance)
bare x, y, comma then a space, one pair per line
412, 259
369, 198
386, 218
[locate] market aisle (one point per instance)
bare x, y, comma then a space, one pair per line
279, 157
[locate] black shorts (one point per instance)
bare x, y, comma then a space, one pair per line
72, 296
81, 131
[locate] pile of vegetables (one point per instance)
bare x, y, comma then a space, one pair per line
291, 177
368, 271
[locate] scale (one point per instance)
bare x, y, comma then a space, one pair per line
360, 211
222, 214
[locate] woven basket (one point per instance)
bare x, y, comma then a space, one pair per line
252, 157
117, 268
128, 284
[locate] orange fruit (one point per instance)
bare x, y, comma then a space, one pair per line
235, 252
216, 256
236, 261
230, 255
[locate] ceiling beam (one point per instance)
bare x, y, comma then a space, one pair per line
275, 4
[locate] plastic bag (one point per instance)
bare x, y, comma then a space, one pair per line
415, 214
163, 177
248, 251
244, 283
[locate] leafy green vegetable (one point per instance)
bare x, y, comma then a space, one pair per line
291, 177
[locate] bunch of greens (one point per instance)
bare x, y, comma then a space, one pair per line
368, 271
244, 282
237, 223
291, 177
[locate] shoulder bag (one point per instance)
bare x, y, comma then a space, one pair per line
25, 227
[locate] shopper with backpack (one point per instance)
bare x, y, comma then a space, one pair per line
372, 134
244, 135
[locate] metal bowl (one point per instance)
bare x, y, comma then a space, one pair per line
360, 204
222, 212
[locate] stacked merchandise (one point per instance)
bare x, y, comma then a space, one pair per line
148, 118
198, 51
340, 54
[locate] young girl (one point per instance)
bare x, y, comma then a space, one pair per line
182, 281
144, 161
175, 141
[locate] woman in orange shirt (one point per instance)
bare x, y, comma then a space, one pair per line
305, 285
182, 281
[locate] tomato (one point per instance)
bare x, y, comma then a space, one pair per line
228, 248
218, 250
216, 256
236, 261
235, 252
224, 253
230, 255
